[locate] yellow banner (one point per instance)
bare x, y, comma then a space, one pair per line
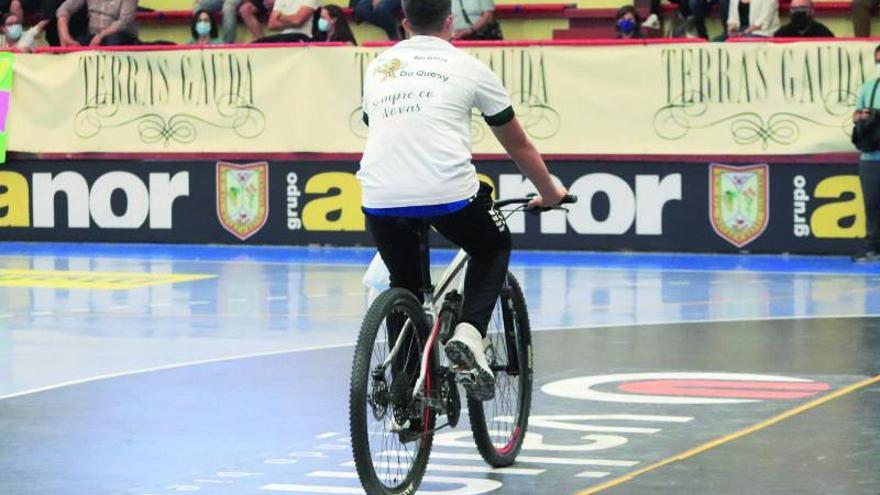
734, 98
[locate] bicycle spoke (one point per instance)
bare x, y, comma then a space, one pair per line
505, 402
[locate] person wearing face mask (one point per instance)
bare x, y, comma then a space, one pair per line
867, 107
203, 29
229, 8
332, 26
627, 23
802, 24
14, 35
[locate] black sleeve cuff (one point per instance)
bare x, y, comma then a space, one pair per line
500, 118
366, 119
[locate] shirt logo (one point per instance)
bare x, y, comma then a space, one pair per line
390, 68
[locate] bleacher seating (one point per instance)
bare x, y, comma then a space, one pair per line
582, 19
519, 21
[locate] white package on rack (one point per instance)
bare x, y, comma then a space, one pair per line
376, 278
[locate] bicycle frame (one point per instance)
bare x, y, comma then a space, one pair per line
431, 306
433, 296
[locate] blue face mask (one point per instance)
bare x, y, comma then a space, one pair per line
13, 32
626, 26
323, 25
203, 28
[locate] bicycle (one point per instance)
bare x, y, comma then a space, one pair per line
404, 387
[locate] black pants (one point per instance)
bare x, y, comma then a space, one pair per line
119, 38
77, 24
284, 38
869, 174
478, 229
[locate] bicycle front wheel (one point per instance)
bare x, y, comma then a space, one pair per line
391, 434
499, 425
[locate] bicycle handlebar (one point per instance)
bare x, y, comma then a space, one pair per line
566, 200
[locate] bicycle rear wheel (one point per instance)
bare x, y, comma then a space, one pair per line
390, 460
499, 425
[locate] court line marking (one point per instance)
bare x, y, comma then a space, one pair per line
731, 437
171, 367
514, 264
352, 344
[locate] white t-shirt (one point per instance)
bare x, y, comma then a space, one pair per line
290, 7
762, 13
418, 99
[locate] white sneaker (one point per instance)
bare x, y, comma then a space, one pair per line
652, 22
467, 351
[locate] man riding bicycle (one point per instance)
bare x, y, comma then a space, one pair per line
418, 100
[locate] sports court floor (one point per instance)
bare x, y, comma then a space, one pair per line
155, 370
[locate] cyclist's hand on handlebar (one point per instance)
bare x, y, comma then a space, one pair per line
549, 198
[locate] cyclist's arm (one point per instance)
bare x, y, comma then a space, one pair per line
529, 162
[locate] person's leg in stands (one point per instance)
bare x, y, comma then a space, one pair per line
699, 9
230, 20
249, 14
382, 13
724, 6
861, 17
47, 11
120, 38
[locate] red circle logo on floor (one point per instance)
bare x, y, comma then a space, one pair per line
685, 388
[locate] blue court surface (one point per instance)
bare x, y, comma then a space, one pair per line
145, 370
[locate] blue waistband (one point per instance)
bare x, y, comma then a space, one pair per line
418, 211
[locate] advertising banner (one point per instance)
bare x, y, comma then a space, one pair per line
678, 99
696, 207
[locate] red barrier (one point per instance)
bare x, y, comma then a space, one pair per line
594, 42
164, 48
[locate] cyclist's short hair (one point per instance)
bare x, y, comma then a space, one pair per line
427, 16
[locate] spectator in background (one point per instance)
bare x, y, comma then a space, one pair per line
21, 8
203, 29
700, 10
111, 22
472, 19
763, 19
382, 13
251, 11
294, 18
14, 35
801, 23
867, 106
230, 15
627, 22
653, 20
861, 17
332, 26
77, 23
